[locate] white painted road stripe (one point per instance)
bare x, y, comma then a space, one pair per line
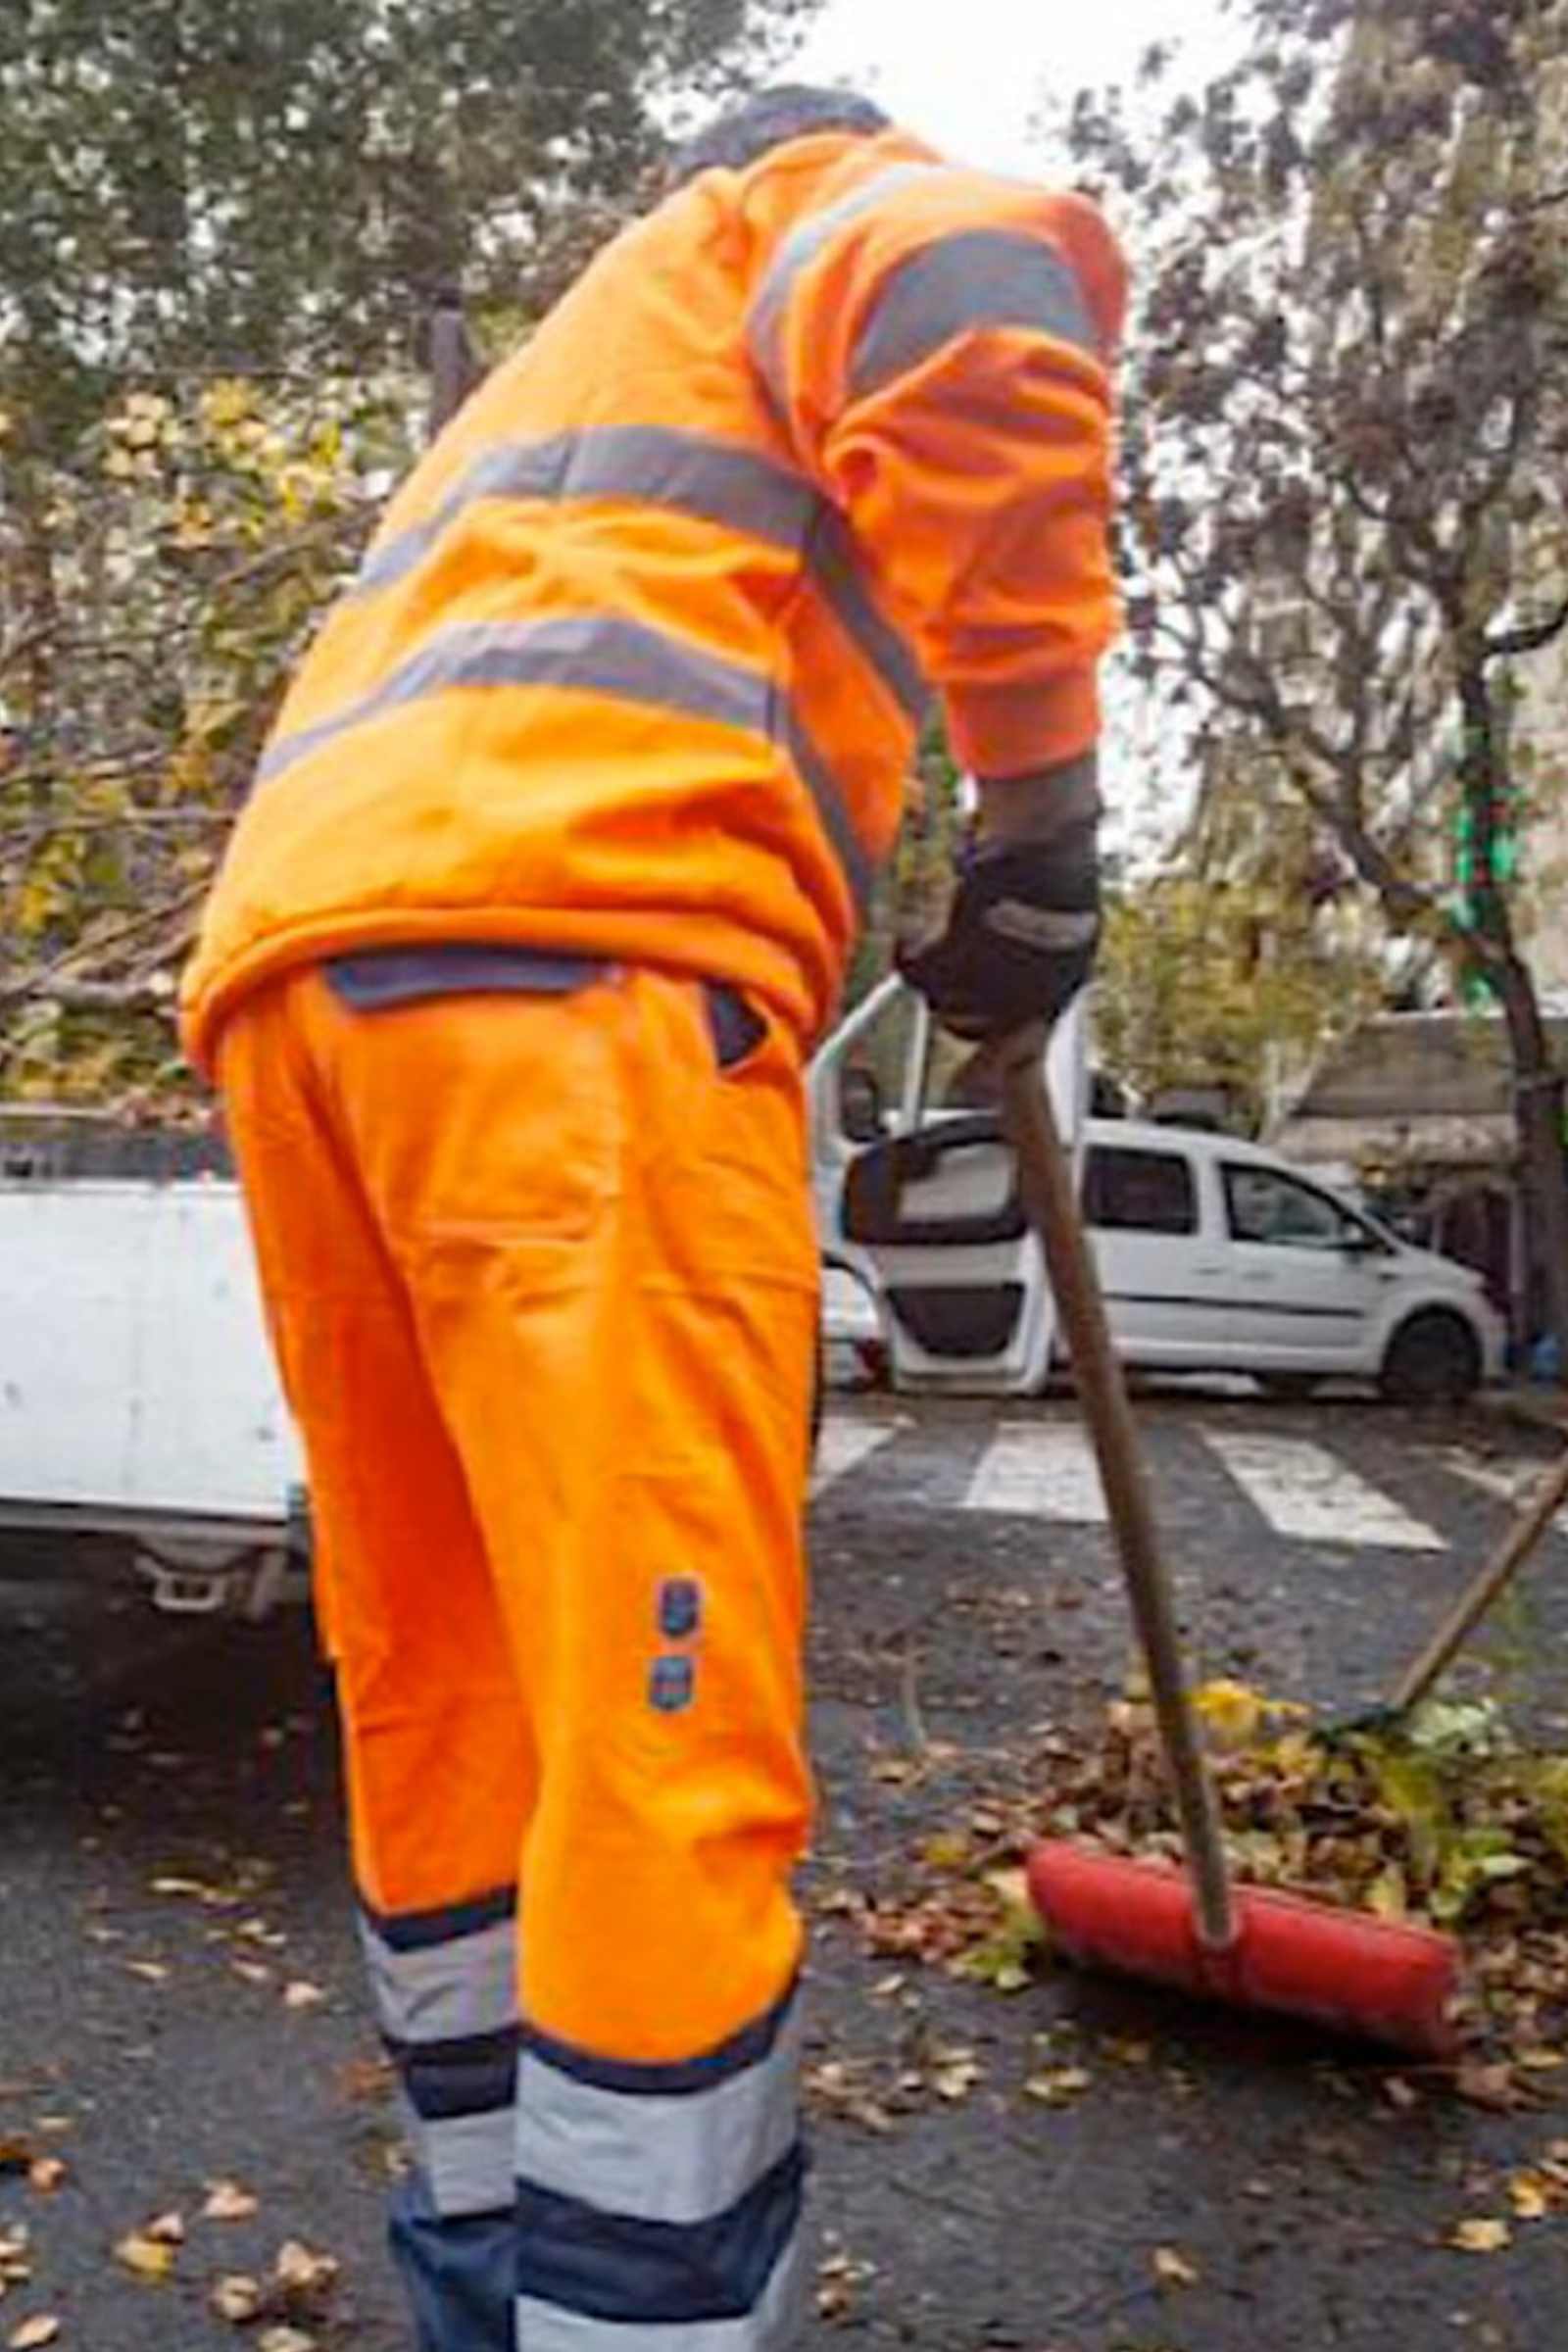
1516, 1482
844, 1444
1301, 1491
1039, 1470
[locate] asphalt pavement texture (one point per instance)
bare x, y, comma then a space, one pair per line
181, 1999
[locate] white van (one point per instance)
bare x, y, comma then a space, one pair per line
1215, 1256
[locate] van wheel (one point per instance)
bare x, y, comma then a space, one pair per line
1433, 1360
1289, 1387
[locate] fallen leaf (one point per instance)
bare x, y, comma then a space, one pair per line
954, 2073
1174, 2269
1400, 2094
1058, 2086
1489, 2084
301, 1993
178, 1886
1481, 2236
301, 2271
254, 1972
1529, 2195
46, 2173
228, 2201
285, 2339
837, 2278
41, 2329
1538, 2061
237, 2298
148, 2258
152, 1972
166, 2229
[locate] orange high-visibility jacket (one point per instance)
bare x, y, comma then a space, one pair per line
635, 662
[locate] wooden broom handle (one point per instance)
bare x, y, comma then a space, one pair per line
1477, 1599
1045, 1182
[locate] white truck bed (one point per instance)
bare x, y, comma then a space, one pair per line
137, 1391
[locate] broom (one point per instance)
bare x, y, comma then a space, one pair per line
1194, 1930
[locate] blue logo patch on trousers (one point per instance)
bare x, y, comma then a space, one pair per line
671, 1682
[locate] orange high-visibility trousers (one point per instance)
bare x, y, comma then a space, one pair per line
542, 1281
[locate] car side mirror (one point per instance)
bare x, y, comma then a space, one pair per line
860, 1112
1359, 1245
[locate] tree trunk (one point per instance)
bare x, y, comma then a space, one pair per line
1537, 1083
1539, 1115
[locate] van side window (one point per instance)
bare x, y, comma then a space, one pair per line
1139, 1191
1261, 1205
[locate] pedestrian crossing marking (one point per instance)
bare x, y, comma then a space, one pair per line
1303, 1491
1515, 1483
843, 1444
1038, 1471
1044, 1469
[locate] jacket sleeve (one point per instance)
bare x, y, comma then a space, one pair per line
937, 346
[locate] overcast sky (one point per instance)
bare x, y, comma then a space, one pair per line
968, 73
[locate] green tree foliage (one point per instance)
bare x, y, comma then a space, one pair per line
1208, 982
221, 186
225, 229
1345, 521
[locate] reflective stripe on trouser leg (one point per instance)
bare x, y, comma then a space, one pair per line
445, 1990
661, 2196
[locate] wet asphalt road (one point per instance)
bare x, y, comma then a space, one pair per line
179, 1999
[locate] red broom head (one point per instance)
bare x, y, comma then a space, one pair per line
1372, 1978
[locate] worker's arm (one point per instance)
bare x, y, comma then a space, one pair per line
938, 347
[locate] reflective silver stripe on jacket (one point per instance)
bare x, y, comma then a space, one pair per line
835, 561
764, 328
962, 284
442, 1992
692, 474
777, 2322
687, 472
599, 653
657, 2157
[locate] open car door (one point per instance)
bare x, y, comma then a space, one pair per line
917, 1199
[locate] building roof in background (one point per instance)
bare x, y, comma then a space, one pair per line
1412, 1088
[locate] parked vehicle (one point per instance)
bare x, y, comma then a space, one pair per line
137, 1393
1215, 1256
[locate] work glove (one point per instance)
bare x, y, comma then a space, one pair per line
1020, 935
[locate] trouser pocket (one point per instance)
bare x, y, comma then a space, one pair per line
735, 1026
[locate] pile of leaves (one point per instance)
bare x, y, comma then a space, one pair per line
1444, 1820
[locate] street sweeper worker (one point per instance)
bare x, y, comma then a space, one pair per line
547, 884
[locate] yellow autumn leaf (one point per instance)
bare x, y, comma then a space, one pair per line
149, 2258
1388, 1895
238, 2297
228, 2201
1058, 2086
1530, 2197
42, 2329
1481, 2236
1172, 2269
